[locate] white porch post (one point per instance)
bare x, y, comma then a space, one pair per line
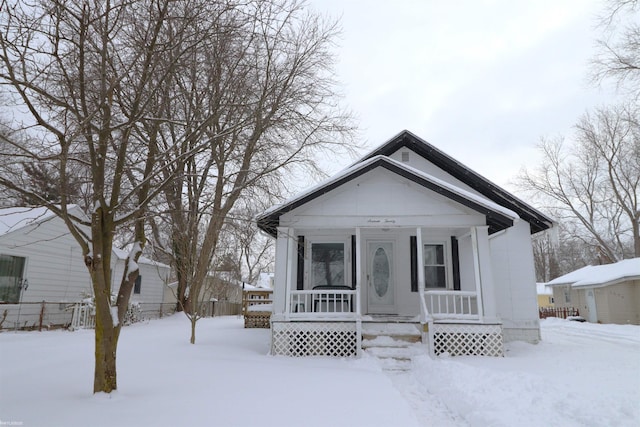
476, 271
428, 334
420, 266
358, 262
486, 273
282, 279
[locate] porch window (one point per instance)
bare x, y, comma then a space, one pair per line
435, 270
328, 264
11, 275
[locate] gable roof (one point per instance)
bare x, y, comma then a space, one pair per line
498, 217
500, 206
16, 218
537, 220
601, 275
12, 219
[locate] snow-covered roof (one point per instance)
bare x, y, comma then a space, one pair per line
601, 275
543, 289
12, 219
122, 254
472, 200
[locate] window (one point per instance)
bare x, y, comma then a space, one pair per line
405, 156
328, 264
11, 271
435, 270
567, 295
137, 285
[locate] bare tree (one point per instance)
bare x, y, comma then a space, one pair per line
618, 52
86, 75
594, 184
271, 99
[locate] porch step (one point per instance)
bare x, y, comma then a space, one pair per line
394, 345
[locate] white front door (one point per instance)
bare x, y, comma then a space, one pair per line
380, 277
592, 315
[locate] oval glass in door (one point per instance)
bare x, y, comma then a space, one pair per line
381, 272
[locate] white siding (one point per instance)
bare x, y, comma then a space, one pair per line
514, 278
154, 279
380, 198
55, 267
418, 162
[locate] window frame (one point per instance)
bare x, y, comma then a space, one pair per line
137, 285
448, 281
345, 241
22, 276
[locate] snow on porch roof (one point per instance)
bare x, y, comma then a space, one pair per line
498, 217
601, 275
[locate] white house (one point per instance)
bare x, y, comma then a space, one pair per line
603, 293
405, 235
41, 261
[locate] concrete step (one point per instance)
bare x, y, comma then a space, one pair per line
406, 338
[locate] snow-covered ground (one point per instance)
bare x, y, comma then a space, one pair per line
581, 374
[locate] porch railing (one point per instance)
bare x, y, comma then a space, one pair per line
338, 303
452, 305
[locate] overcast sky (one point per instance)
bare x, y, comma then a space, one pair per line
481, 80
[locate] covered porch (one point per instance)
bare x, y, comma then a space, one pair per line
436, 278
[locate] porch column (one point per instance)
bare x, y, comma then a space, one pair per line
284, 270
358, 262
420, 256
484, 273
358, 296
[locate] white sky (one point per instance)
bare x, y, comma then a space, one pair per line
482, 80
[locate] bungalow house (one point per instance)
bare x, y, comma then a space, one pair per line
42, 269
405, 236
603, 293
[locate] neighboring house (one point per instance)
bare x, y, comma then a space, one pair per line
545, 295
405, 235
603, 293
41, 261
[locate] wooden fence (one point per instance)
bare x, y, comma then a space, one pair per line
37, 316
560, 312
256, 308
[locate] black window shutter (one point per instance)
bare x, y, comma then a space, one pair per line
413, 255
300, 272
455, 259
353, 261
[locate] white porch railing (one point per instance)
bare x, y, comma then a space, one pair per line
325, 303
452, 305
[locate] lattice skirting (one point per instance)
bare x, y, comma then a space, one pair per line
468, 340
337, 339
257, 319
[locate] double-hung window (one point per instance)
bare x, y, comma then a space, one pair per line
435, 268
328, 264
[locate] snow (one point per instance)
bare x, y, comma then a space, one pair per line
581, 374
482, 201
12, 219
543, 289
594, 275
261, 307
114, 316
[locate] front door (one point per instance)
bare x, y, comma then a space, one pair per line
380, 277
